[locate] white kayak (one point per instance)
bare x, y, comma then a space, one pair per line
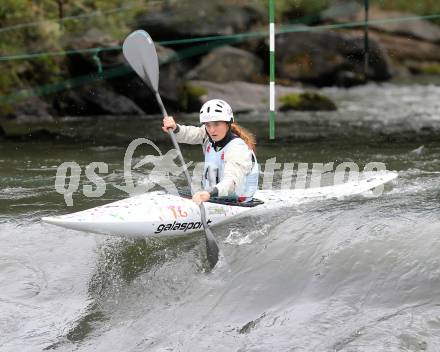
159, 213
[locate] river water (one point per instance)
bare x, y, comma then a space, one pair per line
359, 274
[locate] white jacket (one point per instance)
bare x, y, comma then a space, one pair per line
238, 158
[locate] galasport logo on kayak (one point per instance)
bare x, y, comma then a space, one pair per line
182, 226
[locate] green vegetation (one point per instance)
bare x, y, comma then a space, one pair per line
307, 101
433, 69
429, 68
50, 25
39, 26
189, 99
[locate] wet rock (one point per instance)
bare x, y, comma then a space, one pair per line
30, 110
414, 28
118, 95
123, 81
192, 19
171, 80
307, 101
327, 58
192, 97
84, 63
70, 103
227, 64
95, 101
411, 53
104, 102
412, 44
242, 96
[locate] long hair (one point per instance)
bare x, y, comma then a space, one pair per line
245, 135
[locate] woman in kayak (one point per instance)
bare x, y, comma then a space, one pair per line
231, 168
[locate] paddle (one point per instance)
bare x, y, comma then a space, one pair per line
139, 51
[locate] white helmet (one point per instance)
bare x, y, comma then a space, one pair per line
216, 110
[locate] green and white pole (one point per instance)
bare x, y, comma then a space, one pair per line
272, 69
366, 48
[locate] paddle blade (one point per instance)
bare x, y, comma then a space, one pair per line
139, 51
211, 247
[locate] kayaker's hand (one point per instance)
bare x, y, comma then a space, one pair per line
201, 196
168, 122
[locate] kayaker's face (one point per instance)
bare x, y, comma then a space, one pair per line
217, 130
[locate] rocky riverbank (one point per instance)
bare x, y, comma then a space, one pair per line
235, 67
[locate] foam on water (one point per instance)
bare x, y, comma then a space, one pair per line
44, 277
337, 276
355, 275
